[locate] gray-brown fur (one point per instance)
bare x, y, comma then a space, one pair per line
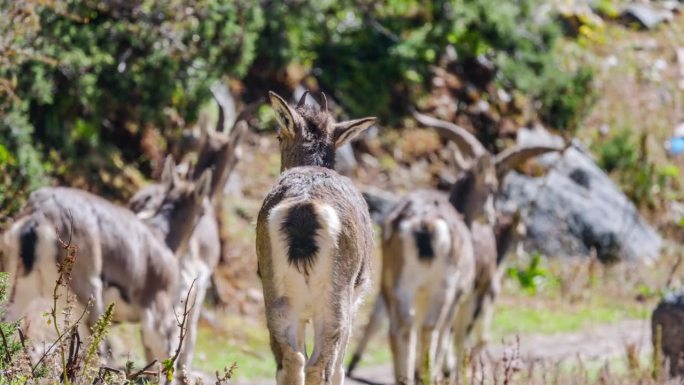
419, 330
153, 201
178, 213
319, 184
473, 197
486, 286
147, 198
668, 316
508, 230
199, 262
119, 257
313, 142
219, 153
309, 145
308, 139
130, 250
473, 192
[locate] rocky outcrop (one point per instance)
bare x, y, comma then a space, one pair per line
576, 209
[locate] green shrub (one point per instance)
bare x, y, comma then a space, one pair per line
566, 98
377, 57
618, 152
645, 182
9, 344
85, 78
21, 167
85, 84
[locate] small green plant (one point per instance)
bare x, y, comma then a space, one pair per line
9, 346
607, 8
566, 98
618, 152
99, 330
532, 277
626, 156
64, 361
644, 292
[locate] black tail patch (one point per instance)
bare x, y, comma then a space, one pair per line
423, 239
301, 226
28, 237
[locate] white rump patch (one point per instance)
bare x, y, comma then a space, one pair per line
40, 281
306, 295
420, 278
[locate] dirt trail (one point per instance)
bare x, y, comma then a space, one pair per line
592, 344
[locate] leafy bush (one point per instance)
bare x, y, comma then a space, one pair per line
88, 87
618, 152
84, 77
643, 181
566, 98
377, 58
21, 168
9, 347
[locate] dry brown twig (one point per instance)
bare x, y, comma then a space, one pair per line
512, 363
482, 369
227, 375
169, 366
143, 371
182, 322
63, 279
8, 357
673, 271
22, 340
73, 361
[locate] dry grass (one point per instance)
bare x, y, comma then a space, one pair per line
511, 369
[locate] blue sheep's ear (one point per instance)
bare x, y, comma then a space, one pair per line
203, 185
169, 178
284, 114
346, 131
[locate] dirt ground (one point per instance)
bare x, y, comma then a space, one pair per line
592, 346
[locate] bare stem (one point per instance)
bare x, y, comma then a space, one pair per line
8, 357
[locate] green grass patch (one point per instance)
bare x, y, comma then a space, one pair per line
524, 314
516, 318
246, 345
378, 350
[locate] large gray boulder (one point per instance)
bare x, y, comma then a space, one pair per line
646, 16
576, 208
